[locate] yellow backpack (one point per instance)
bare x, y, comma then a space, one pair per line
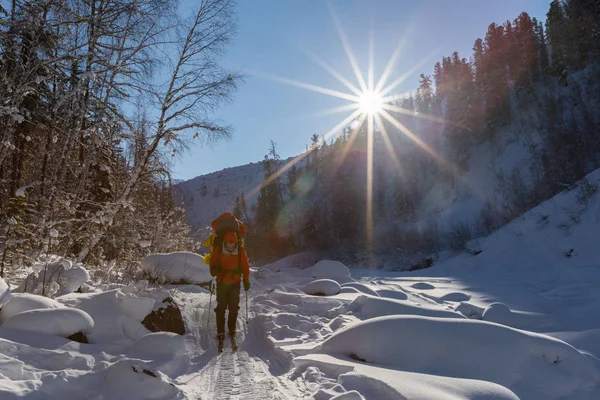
209, 243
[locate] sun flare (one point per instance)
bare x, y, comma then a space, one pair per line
371, 102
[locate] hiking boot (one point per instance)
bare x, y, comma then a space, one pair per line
221, 339
234, 345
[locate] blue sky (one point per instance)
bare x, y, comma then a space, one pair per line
273, 36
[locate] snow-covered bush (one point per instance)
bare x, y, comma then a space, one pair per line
177, 267
54, 321
55, 279
4, 292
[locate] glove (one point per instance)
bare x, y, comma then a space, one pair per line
246, 285
214, 271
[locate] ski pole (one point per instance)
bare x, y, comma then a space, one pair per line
246, 307
209, 304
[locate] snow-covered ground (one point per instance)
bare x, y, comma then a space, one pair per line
521, 319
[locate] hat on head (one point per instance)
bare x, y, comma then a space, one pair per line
230, 237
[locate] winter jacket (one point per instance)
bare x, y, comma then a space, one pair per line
230, 268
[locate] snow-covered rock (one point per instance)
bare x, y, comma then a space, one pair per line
117, 315
165, 318
322, 287
20, 302
177, 267
331, 270
59, 277
158, 344
4, 292
54, 321
529, 364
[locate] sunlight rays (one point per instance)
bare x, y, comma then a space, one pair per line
308, 86
371, 102
300, 157
333, 72
346, 46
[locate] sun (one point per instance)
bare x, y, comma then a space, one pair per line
371, 103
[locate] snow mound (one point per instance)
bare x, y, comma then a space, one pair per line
422, 286
347, 289
361, 287
455, 297
4, 292
374, 382
20, 302
117, 315
392, 294
351, 395
59, 277
125, 380
497, 312
529, 364
370, 307
322, 287
330, 269
54, 321
158, 344
176, 267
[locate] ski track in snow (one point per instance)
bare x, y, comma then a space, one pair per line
231, 375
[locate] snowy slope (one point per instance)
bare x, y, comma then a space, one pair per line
206, 196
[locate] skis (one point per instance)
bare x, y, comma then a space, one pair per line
220, 344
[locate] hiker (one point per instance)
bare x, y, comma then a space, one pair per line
229, 263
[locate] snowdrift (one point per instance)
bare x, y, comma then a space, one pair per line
117, 315
54, 321
370, 307
177, 267
531, 365
158, 344
329, 269
375, 382
322, 287
361, 288
20, 302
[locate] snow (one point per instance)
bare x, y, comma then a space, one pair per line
389, 384
518, 320
330, 269
361, 288
4, 292
20, 302
60, 277
322, 287
531, 365
368, 307
53, 321
158, 344
177, 267
117, 315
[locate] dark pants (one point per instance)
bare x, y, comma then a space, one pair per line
228, 296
